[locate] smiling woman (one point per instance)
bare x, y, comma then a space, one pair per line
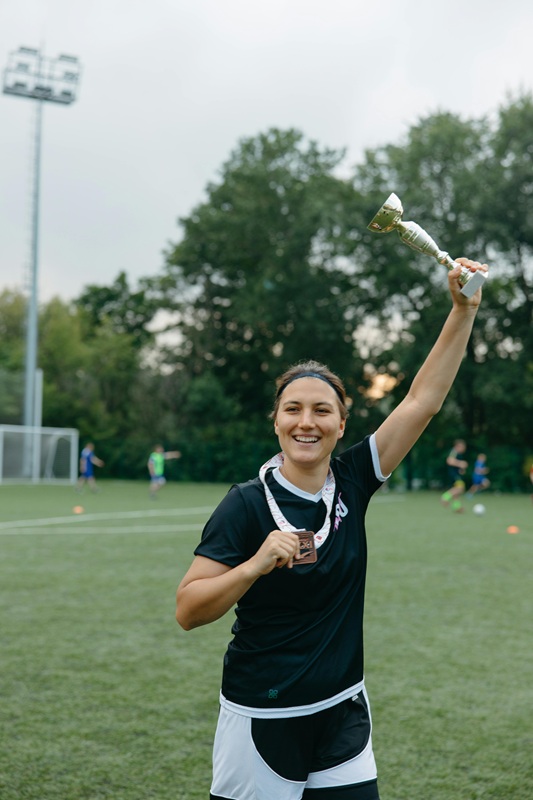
309, 419
288, 548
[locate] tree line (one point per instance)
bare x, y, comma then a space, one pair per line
276, 265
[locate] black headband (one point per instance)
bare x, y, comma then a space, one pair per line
309, 375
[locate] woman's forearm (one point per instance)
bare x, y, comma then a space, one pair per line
436, 375
206, 599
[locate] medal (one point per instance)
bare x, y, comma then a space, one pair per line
307, 548
328, 493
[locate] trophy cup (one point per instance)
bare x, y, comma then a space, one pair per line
389, 217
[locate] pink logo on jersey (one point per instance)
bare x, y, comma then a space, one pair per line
340, 512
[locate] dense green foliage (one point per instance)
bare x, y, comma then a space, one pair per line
276, 265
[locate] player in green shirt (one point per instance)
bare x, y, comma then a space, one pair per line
156, 467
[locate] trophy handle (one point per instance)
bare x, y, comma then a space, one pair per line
417, 238
389, 218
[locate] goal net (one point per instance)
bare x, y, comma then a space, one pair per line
38, 455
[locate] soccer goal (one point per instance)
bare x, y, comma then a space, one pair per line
38, 455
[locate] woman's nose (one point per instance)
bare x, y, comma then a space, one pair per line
306, 419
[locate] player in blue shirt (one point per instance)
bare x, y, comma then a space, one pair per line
88, 461
479, 475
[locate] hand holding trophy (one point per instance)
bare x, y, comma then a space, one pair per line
389, 217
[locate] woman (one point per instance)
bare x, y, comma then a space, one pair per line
294, 719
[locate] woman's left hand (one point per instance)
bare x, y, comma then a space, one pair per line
456, 286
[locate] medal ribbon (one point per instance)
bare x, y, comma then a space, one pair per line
328, 493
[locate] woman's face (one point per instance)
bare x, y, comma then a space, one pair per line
308, 423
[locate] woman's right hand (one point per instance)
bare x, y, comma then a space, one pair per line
280, 549
210, 588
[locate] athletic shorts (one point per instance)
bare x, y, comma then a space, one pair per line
322, 756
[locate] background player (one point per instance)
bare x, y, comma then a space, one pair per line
156, 467
88, 461
456, 470
479, 475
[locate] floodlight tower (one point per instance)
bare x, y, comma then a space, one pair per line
31, 75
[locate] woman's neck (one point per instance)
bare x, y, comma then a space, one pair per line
310, 481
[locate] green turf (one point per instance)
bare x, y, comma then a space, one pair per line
103, 696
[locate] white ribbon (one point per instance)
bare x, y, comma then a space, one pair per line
328, 493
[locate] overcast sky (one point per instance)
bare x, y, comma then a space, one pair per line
170, 86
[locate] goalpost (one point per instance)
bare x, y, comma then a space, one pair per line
38, 455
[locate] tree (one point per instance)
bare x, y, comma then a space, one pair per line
465, 182
12, 329
63, 356
114, 365
256, 278
505, 213
277, 265
121, 309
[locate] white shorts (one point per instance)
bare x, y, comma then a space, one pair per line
323, 754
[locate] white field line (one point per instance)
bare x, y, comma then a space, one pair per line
82, 518
76, 524
78, 530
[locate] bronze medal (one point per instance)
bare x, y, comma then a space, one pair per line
307, 548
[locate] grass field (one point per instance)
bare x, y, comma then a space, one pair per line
103, 696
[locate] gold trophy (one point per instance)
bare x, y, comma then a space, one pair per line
389, 218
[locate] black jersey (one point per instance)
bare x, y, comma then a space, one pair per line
298, 636
455, 473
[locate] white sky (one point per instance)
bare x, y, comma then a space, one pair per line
170, 86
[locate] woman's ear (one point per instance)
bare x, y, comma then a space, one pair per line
341, 429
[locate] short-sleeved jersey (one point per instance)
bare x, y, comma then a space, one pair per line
87, 466
158, 463
478, 474
455, 473
298, 638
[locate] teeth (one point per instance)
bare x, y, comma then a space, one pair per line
306, 439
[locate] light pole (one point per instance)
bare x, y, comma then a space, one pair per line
31, 75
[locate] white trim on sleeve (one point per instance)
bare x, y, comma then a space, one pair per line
375, 460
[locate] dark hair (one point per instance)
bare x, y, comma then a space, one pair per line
310, 369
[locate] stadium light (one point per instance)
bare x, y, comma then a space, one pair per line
31, 75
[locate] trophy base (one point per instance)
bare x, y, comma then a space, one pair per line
473, 283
